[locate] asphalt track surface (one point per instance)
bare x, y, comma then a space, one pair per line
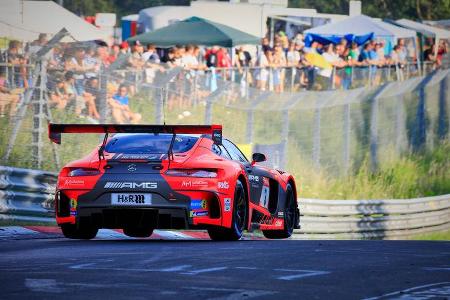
51, 267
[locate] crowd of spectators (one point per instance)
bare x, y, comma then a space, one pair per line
74, 70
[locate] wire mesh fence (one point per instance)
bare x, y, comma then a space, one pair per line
379, 115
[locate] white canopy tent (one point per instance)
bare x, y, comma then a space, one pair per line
362, 25
426, 30
24, 20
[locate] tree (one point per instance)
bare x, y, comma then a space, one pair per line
391, 9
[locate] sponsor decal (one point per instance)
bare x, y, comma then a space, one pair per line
265, 192
281, 214
132, 168
73, 204
224, 185
199, 213
278, 223
73, 182
130, 185
122, 156
217, 137
73, 213
199, 204
227, 202
194, 183
253, 178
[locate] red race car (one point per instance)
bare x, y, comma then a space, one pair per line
146, 177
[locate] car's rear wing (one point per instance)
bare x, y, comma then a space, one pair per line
55, 130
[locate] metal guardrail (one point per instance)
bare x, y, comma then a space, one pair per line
27, 195
373, 219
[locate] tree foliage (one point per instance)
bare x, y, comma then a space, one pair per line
390, 9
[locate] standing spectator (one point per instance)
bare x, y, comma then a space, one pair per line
150, 55
278, 64
36, 45
212, 57
113, 53
263, 64
189, 61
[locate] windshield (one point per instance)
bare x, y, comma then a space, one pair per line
149, 143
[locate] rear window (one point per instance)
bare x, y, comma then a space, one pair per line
149, 143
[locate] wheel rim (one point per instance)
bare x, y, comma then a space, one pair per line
241, 210
289, 212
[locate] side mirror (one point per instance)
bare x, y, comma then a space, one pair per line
258, 157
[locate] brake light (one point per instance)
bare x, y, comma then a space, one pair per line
83, 172
192, 173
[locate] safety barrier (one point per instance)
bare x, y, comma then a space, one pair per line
373, 219
27, 195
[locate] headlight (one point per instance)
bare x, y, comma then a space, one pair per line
83, 172
192, 173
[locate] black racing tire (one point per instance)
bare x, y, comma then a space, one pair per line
239, 221
290, 217
79, 231
138, 232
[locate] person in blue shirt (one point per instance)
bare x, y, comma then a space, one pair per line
120, 109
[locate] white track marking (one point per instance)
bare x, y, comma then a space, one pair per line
43, 285
300, 274
82, 266
167, 234
13, 231
111, 234
246, 268
403, 292
195, 272
176, 268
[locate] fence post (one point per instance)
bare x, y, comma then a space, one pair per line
419, 133
284, 139
159, 105
38, 114
249, 132
316, 139
103, 95
399, 124
443, 119
346, 152
208, 112
374, 135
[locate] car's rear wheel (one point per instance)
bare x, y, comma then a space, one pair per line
138, 232
239, 221
79, 231
290, 217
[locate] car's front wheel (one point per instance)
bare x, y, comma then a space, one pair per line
290, 217
79, 231
239, 221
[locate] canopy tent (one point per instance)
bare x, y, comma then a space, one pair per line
360, 27
198, 31
425, 30
25, 20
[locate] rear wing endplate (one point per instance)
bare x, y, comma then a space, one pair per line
55, 130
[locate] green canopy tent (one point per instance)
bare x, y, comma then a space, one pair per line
196, 31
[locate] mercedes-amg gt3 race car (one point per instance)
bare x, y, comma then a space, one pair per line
146, 177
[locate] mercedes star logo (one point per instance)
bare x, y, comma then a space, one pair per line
132, 168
